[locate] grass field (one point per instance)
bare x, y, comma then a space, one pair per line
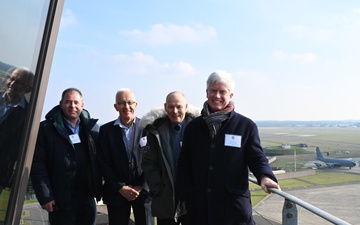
329, 139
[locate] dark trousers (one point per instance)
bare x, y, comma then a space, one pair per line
120, 215
181, 220
83, 212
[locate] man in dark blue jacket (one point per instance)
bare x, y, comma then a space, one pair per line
219, 148
13, 106
120, 156
64, 171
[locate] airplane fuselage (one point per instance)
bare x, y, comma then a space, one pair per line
332, 162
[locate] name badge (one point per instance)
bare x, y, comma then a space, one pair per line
232, 140
74, 138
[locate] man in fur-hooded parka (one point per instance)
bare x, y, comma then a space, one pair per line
165, 129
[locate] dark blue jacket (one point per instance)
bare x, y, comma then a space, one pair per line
213, 177
114, 163
54, 164
10, 138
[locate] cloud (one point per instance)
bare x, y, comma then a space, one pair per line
308, 57
160, 34
68, 19
310, 33
356, 10
140, 63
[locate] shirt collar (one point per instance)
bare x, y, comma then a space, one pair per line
118, 123
18, 104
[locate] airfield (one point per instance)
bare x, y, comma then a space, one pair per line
340, 200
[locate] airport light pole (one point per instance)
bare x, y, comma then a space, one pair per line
295, 160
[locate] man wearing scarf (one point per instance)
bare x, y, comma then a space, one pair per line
219, 148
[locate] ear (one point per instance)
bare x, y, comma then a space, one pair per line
115, 106
28, 89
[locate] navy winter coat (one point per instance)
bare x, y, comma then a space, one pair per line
213, 173
54, 163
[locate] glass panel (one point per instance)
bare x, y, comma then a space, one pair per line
22, 26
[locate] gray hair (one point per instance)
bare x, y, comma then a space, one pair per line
221, 77
122, 91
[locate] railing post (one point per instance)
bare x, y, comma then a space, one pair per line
289, 213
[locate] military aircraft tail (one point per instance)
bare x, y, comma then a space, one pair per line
318, 153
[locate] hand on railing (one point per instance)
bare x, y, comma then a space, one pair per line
267, 183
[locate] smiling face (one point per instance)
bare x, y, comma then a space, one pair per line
176, 107
72, 104
18, 84
126, 106
218, 96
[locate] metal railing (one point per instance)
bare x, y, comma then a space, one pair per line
290, 213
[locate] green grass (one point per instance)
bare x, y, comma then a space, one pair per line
30, 201
327, 178
328, 139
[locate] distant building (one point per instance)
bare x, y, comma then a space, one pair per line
285, 146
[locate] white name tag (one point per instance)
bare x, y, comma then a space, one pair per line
74, 138
232, 140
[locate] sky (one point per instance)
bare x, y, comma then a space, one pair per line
291, 60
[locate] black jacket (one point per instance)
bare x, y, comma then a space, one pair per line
213, 174
53, 170
10, 138
114, 162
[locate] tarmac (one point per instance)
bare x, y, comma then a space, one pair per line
342, 201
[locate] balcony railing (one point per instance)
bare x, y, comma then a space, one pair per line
290, 212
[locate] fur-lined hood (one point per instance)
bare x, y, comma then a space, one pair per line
159, 114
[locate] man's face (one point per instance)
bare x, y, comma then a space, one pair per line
218, 96
126, 106
17, 84
72, 105
176, 108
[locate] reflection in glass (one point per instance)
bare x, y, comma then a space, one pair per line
13, 105
22, 25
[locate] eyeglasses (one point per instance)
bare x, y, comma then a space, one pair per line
123, 103
15, 80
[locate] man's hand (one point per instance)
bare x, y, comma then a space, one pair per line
129, 193
137, 188
50, 206
268, 183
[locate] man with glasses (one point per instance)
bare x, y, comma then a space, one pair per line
13, 105
120, 154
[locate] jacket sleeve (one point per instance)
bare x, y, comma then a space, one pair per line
105, 161
151, 165
256, 158
39, 169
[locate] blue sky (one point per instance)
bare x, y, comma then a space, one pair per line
292, 60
